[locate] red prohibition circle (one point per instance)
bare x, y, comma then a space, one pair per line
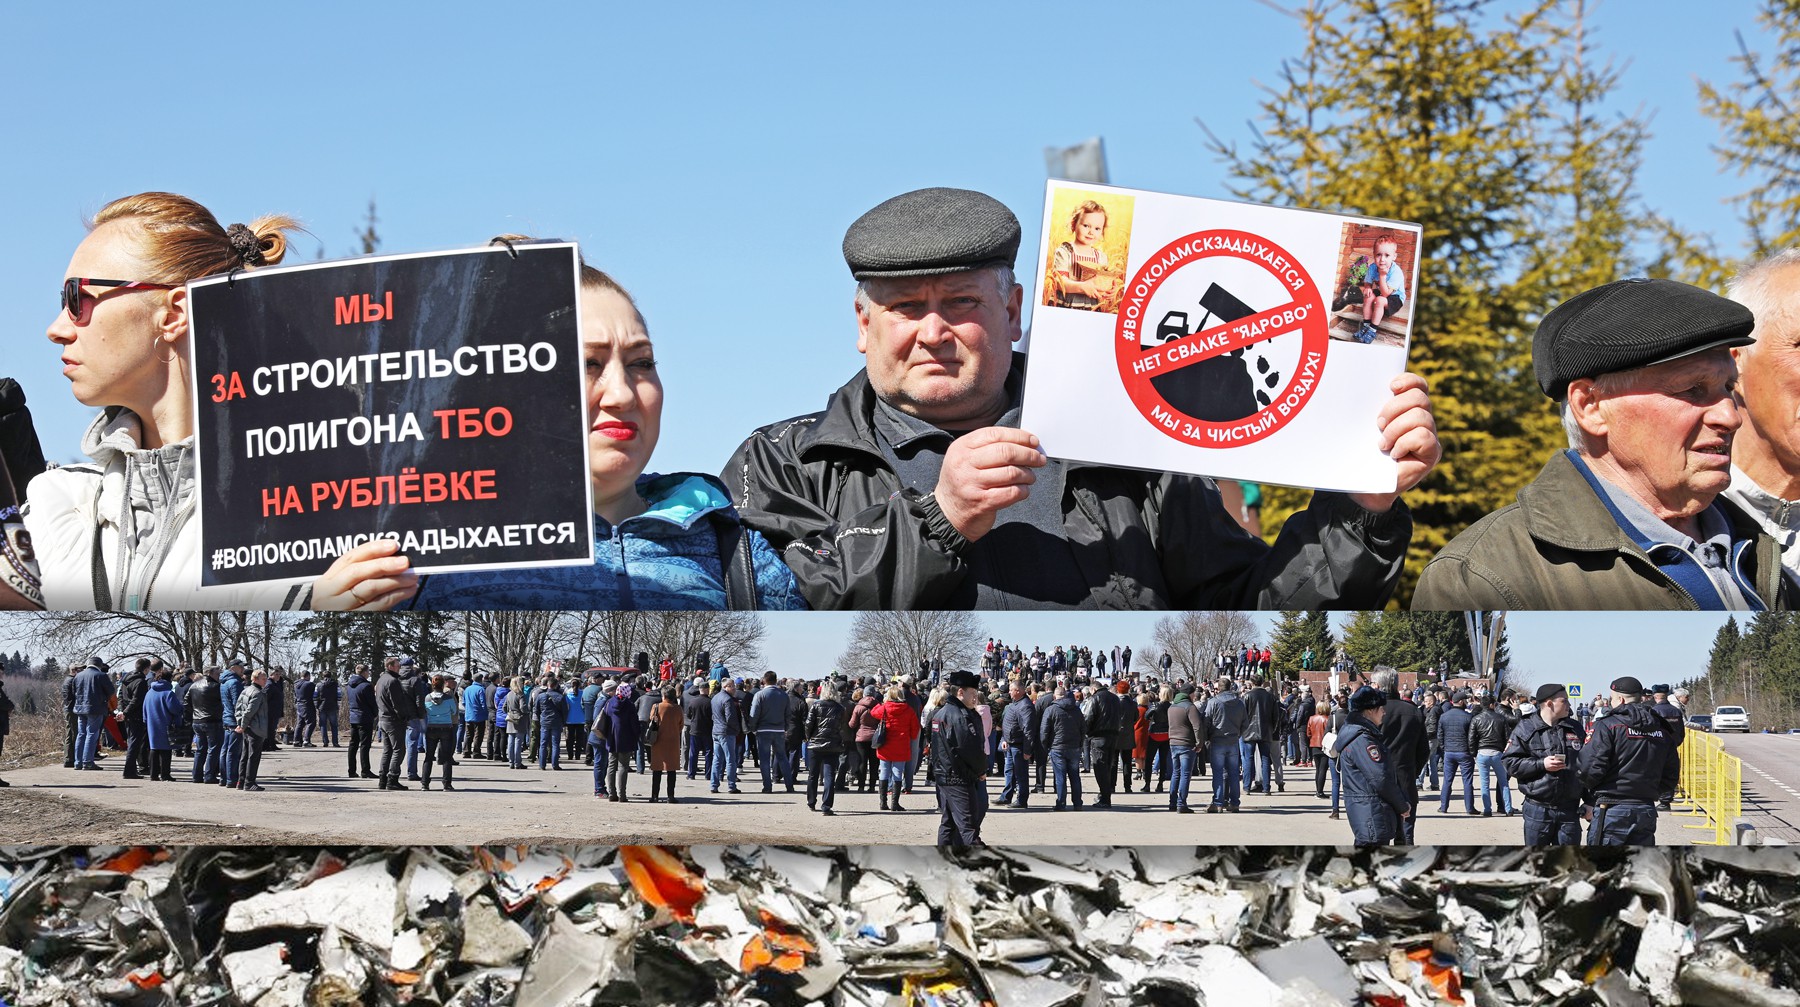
1311, 319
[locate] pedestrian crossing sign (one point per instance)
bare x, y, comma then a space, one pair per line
1574, 692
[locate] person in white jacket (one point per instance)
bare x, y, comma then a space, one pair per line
121, 533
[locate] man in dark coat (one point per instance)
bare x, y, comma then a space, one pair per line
1541, 755
1101, 727
915, 488
959, 762
696, 720
1627, 765
1046, 695
1260, 742
363, 714
275, 699
395, 708
131, 712
1018, 739
1062, 733
205, 713
327, 698
1373, 799
306, 712
1403, 735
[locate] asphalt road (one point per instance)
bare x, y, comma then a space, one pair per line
1771, 782
308, 793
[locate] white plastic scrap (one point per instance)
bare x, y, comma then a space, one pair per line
360, 900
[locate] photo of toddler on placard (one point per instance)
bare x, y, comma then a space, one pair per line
1090, 234
1372, 303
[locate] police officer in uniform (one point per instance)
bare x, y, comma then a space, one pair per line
1676, 719
958, 763
1373, 798
1628, 764
1541, 755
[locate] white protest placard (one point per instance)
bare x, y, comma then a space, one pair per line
1233, 340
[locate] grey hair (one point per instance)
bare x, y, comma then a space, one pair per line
1754, 288
1004, 282
1386, 681
828, 690
1605, 384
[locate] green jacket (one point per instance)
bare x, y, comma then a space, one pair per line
1559, 547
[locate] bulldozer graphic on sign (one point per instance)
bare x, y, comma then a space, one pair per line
1219, 389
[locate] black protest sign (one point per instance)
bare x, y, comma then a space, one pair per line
434, 399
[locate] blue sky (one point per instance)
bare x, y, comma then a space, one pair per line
709, 155
1585, 648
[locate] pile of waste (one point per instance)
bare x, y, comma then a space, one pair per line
894, 926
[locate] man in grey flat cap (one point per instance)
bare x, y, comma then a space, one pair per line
1631, 515
915, 488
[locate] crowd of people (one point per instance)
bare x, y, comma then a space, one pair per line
1077, 736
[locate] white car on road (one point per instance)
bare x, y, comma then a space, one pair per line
1730, 718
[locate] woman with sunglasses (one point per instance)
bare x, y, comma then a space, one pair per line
121, 533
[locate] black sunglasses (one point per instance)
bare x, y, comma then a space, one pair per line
72, 294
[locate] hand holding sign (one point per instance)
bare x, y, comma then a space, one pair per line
984, 472
1408, 436
369, 578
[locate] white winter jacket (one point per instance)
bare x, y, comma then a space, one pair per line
138, 506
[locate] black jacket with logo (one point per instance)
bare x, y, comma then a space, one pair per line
822, 492
1630, 756
1531, 743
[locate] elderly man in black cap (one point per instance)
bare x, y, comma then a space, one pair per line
1541, 755
1628, 764
915, 488
959, 763
1631, 516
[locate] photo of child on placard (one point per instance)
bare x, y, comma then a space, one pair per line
1373, 303
1090, 234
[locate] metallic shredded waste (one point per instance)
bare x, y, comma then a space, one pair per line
893, 926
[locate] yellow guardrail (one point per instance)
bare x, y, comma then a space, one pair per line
1712, 787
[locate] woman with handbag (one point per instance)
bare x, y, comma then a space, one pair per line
663, 735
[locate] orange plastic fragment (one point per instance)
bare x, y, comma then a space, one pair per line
131, 860
402, 978
1445, 979
762, 952
143, 980
663, 880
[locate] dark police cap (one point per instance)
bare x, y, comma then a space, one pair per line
1632, 323
1627, 686
1659, 688
1546, 693
964, 680
928, 232
1367, 698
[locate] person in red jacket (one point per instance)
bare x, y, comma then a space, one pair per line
896, 750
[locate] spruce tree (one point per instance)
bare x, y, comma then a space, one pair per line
1488, 127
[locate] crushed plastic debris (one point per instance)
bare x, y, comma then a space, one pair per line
898, 927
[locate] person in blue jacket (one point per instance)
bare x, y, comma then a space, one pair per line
162, 718
576, 722
590, 699
1373, 800
440, 729
231, 685
727, 736
475, 715
93, 687
661, 541
501, 694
